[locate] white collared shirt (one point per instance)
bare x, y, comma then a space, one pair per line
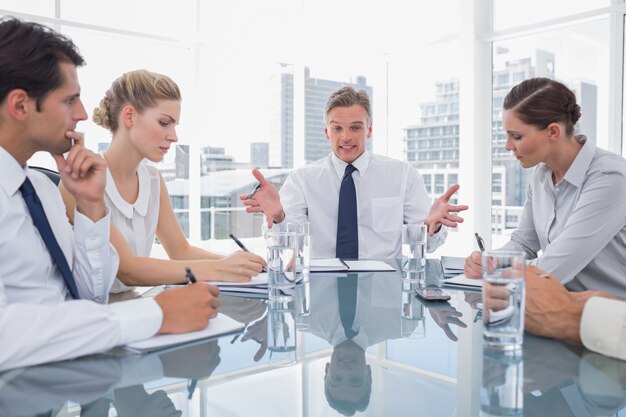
37, 314
578, 224
138, 221
603, 326
389, 192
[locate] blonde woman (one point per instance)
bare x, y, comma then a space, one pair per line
141, 110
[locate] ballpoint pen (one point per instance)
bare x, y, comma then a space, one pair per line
480, 241
190, 276
239, 243
191, 387
254, 191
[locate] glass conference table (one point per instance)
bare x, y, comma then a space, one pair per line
408, 358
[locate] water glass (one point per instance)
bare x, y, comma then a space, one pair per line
281, 265
414, 246
414, 277
412, 312
503, 299
303, 252
502, 385
302, 306
281, 333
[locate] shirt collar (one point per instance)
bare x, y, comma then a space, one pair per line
13, 175
361, 163
575, 174
141, 204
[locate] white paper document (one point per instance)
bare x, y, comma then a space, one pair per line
336, 264
463, 281
220, 325
452, 265
259, 280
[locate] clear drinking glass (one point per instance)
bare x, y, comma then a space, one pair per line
414, 246
503, 299
303, 251
281, 265
281, 333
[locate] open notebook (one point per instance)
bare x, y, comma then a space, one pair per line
218, 326
336, 264
461, 281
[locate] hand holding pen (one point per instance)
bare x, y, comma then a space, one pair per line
242, 246
473, 263
264, 199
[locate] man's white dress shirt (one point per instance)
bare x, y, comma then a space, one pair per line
389, 193
580, 223
603, 326
39, 322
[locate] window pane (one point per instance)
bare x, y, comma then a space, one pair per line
508, 14
145, 16
577, 56
37, 7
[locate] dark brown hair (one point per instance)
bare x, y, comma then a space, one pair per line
30, 54
541, 101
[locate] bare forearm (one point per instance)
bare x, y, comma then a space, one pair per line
560, 322
190, 252
142, 271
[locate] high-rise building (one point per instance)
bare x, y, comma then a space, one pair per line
215, 159
433, 145
281, 123
259, 154
316, 93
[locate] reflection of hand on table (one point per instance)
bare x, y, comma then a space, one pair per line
257, 332
444, 316
196, 361
135, 401
242, 309
473, 299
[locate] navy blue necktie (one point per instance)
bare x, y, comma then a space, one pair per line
347, 218
347, 294
41, 222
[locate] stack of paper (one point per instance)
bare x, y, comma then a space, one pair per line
452, 265
256, 287
463, 282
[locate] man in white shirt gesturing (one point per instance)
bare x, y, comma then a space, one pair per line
389, 193
55, 279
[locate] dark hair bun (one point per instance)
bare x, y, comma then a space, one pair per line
573, 110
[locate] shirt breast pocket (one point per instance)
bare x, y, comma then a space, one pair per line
386, 214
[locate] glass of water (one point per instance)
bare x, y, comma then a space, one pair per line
281, 265
281, 334
303, 250
503, 299
414, 246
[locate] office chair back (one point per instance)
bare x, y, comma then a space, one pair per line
54, 176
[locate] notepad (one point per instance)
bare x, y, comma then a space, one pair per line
463, 281
218, 326
452, 265
339, 265
257, 284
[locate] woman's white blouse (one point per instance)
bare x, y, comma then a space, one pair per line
137, 222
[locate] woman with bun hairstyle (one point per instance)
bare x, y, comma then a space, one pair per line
575, 210
141, 110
